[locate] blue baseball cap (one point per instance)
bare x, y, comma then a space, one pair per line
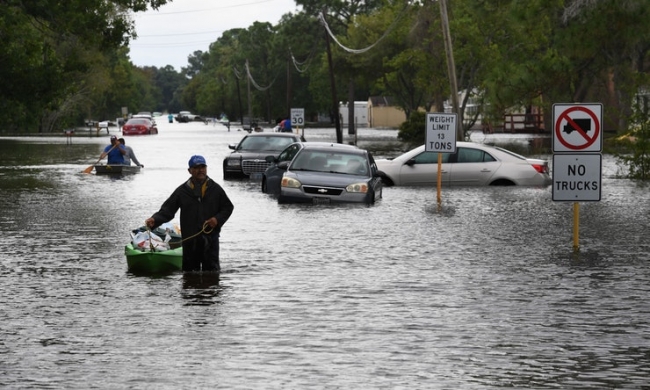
196, 160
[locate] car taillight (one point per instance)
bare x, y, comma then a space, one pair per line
541, 168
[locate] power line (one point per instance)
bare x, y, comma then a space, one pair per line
321, 17
206, 9
173, 35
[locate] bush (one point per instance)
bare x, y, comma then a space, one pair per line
637, 142
413, 131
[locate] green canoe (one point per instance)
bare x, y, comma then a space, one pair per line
153, 262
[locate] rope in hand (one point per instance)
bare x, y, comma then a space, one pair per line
203, 230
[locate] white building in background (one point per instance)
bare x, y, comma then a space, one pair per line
360, 113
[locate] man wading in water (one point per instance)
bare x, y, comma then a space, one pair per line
205, 207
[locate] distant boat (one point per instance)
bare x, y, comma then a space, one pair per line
116, 169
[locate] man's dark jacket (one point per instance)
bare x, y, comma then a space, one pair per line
196, 208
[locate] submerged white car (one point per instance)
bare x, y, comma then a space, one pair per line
472, 165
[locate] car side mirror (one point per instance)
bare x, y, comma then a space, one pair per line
283, 164
232, 146
270, 159
410, 162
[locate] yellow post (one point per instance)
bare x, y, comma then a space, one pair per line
576, 226
439, 179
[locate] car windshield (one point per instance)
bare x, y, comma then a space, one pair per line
138, 122
332, 162
268, 143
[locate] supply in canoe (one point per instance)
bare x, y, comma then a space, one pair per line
154, 252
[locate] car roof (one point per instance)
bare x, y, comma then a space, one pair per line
332, 147
269, 134
320, 144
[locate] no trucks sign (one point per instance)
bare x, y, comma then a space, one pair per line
577, 128
577, 142
577, 177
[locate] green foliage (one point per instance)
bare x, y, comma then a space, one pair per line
413, 130
637, 144
68, 60
57, 58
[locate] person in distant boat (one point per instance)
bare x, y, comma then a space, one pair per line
205, 208
130, 155
286, 126
115, 152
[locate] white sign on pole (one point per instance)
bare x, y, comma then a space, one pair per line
577, 177
298, 117
577, 128
440, 133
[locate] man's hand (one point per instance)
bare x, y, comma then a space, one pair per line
149, 222
212, 222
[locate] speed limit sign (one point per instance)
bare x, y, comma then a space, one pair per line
298, 117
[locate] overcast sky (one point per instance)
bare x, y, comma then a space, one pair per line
171, 34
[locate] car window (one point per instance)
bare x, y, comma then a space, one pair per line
250, 143
289, 153
430, 158
323, 161
468, 155
137, 122
278, 143
301, 160
269, 143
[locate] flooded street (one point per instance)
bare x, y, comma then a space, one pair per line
485, 292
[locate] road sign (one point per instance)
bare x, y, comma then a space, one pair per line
577, 177
440, 133
577, 128
298, 117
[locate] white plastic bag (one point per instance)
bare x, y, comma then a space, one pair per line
146, 241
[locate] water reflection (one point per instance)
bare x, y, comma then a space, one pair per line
485, 292
201, 288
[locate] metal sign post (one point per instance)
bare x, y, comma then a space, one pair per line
577, 161
298, 118
441, 138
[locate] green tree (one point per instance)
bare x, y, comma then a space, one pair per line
50, 48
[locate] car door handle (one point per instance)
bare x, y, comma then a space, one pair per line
486, 170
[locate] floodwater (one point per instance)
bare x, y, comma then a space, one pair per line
484, 292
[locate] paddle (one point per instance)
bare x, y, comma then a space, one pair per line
90, 168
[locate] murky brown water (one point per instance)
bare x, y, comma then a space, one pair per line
484, 293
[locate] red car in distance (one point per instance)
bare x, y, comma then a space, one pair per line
139, 126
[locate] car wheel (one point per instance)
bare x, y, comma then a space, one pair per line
226, 175
387, 181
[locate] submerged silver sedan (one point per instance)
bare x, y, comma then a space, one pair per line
472, 165
331, 174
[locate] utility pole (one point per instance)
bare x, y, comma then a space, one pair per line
335, 106
250, 103
288, 112
451, 68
